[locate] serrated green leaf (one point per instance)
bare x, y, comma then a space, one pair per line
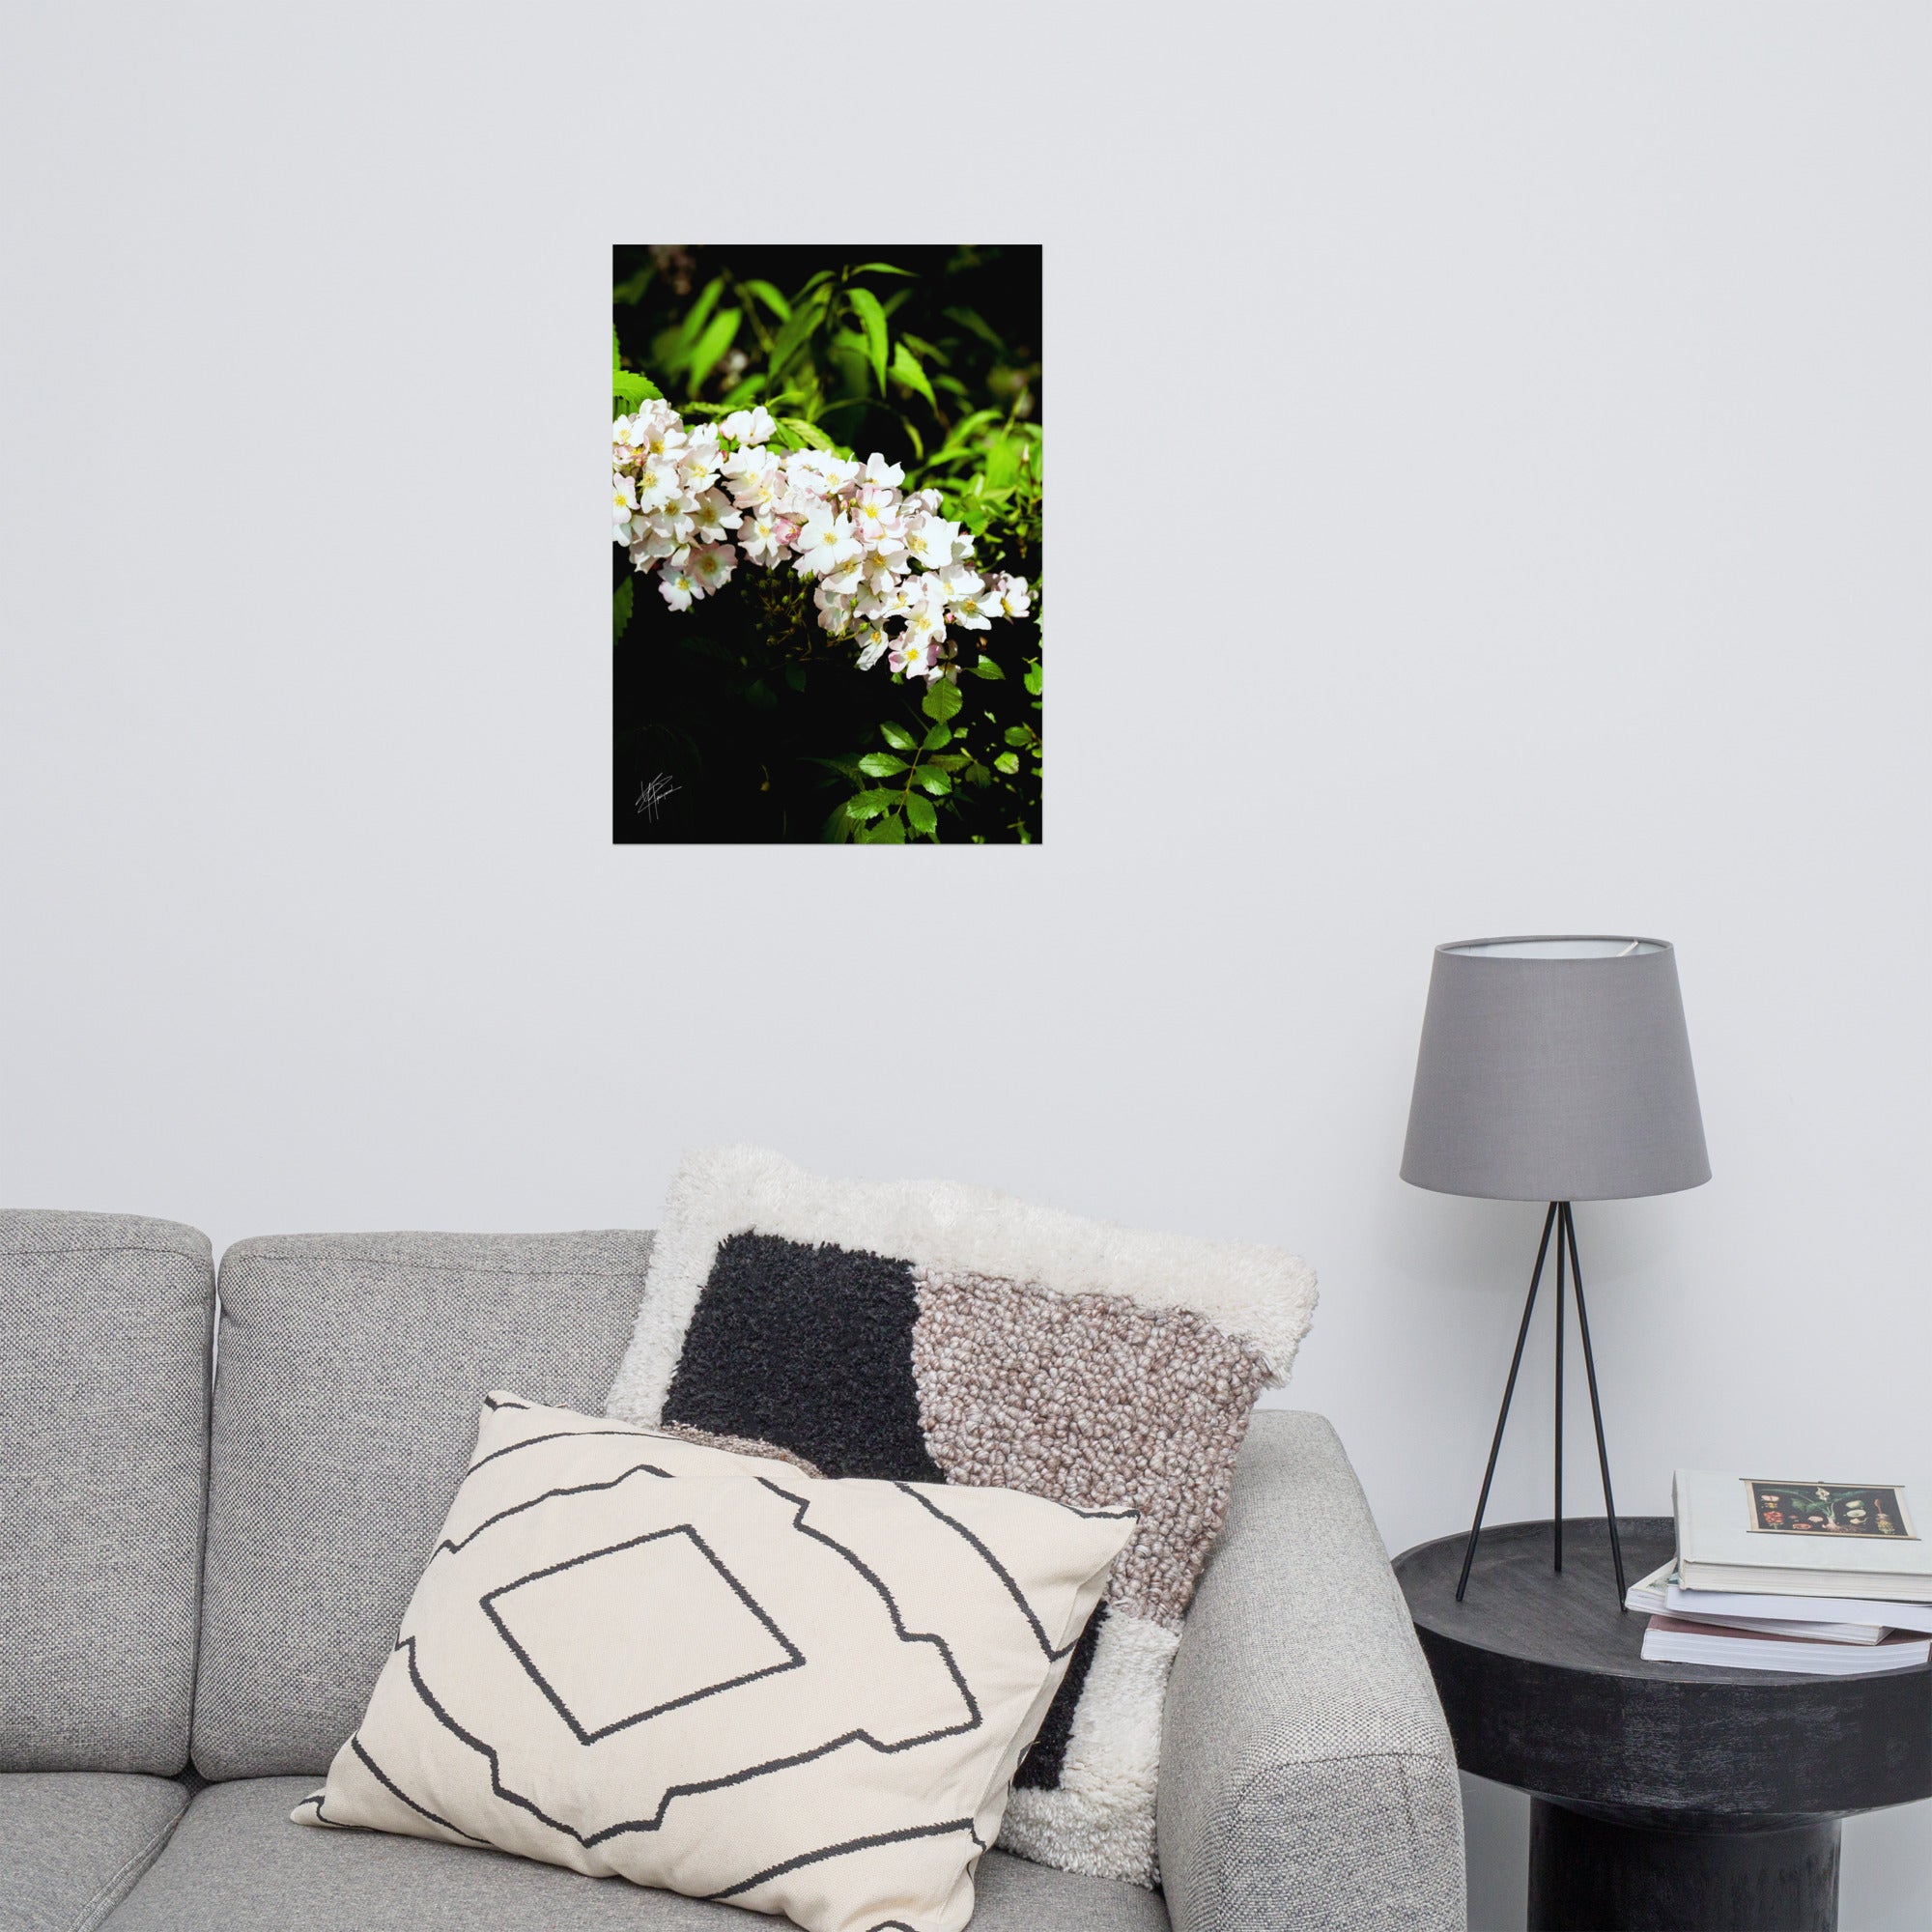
920, 815
629, 388
949, 761
622, 601
889, 831
897, 737
873, 320
906, 369
712, 345
868, 804
1033, 679
838, 828
933, 779
986, 667
979, 775
805, 432
941, 700
1018, 734
1008, 762
881, 764
771, 298
939, 735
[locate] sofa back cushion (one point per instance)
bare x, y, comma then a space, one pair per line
105, 1323
350, 1370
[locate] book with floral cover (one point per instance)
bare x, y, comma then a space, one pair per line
1805, 1537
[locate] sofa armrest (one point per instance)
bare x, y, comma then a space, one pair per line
1307, 1779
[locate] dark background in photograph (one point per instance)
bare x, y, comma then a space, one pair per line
739, 719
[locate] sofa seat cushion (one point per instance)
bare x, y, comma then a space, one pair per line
72, 1842
352, 1368
237, 1865
104, 1410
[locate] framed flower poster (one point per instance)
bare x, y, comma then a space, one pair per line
828, 498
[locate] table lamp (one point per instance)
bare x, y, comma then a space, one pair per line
1555, 1069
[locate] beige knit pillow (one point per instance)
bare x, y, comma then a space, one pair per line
636, 1655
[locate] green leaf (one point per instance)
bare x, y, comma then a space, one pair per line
1033, 679
712, 345
838, 828
969, 319
632, 287
977, 774
631, 389
873, 320
961, 439
905, 368
1008, 762
896, 737
868, 804
986, 667
889, 831
622, 601
694, 317
805, 318
846, 768
939, 735
1018, 734
805, 432
879, 269
771, 298
795, 676
920, 815
933, 779
941, 700
881, 764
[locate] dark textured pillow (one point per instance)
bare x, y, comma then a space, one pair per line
928, 1332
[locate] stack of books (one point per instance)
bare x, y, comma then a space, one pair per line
1827, 1578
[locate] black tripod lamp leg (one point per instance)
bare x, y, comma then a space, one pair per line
1557, 1487
1596, 1407
1508, 1389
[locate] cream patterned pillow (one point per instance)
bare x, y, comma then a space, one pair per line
633, 1654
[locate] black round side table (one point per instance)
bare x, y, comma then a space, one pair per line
1670, 1796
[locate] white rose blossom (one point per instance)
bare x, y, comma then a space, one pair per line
889, 573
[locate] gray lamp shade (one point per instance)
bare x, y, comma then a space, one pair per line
1555, 1069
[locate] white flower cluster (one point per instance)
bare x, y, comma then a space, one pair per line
891, 572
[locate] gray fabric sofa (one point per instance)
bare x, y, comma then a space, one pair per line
201, 1574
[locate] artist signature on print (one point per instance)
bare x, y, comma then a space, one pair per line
653, 794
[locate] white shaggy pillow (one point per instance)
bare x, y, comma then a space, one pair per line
928, 1332
638, 1656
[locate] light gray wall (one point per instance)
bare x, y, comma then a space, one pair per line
1489, 494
